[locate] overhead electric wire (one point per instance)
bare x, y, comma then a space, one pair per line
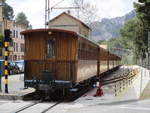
57, 4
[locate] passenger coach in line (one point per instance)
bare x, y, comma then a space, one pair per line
60, 60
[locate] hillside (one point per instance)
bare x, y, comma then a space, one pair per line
109, 28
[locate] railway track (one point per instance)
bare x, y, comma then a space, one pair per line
74, 95
30, 107
129, 75
50, 107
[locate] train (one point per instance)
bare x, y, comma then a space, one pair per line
60, 60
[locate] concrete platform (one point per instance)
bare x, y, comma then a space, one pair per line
16, 96
137, 90
15, 83
146, 93
15, 88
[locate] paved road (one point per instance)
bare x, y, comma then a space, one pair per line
76, 107
133, 107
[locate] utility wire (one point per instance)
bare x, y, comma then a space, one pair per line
57, 4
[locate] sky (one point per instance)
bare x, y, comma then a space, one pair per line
35, 9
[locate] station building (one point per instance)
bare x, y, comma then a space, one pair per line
68, 22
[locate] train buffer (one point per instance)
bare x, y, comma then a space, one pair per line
99, 91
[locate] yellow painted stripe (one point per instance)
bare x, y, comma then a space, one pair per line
6, 72
6, 81
6, 44
6, 53
6, 63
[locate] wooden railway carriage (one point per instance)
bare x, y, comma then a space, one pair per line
58, 59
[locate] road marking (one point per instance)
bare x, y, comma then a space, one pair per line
135, 108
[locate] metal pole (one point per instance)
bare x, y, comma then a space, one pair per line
148, 49
1, 18
45, 12
2, 4
6, 66
7, 33
141, 77
48, 10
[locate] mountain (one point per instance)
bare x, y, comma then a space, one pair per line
109, 28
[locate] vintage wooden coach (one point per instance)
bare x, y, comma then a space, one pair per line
60, 59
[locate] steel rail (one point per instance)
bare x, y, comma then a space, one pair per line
117, 80
26, 107
50, 107
31, 105
121, 77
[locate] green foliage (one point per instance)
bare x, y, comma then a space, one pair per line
1, 43
102, 42
135, 31
135, 37
8, 12
143, 12
133, 40
1, 40
22, 19
115, 43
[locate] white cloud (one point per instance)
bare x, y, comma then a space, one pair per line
34, 9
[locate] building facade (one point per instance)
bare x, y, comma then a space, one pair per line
16, 49
1, 17
67, 22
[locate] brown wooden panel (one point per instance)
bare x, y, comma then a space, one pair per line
86, 69
63, 64
87, 50
34, 47
103, 66
63, 70
65, 46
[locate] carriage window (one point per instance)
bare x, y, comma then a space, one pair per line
50, 48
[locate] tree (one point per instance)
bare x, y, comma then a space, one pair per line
134, 38
86, 11
1, 40
8, 12
1, 43
143, 14
102, 42
143, 11
22, 19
